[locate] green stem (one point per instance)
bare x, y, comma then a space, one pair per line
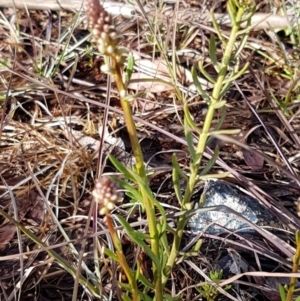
122, 259
140, 168
203, 138
130, 125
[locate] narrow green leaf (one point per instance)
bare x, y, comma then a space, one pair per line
221, 119
144, 185
112, 255
217, 27
219, 104
130, 190
125, 286
193, 165
166, 270
225, 88
163, 215
211, 162
129, 68
145, 297
205, 73
198, 85
189, 122
170, 229
212, 52
189, 136
219, 124
191, 147
164, 242
175, 178
120, 167
140, 235
146, 283
177, 167
202, 200
198, 245
243, 42
237, 75
282, 292
170, 298
231, 8
125, 297
135, 238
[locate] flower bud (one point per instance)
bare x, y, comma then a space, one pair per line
105, 194
102, 26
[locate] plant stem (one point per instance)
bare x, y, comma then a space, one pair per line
140, 168
122, 259
130, 125
203, 138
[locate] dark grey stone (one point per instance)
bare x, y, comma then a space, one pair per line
220, 193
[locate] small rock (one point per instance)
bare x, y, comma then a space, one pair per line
220, 193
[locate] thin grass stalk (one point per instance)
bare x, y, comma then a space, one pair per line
203, 137
122, 258
140, 168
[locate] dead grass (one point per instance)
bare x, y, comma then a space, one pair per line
52, 92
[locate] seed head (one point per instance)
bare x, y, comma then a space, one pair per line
105, 194
102, 26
